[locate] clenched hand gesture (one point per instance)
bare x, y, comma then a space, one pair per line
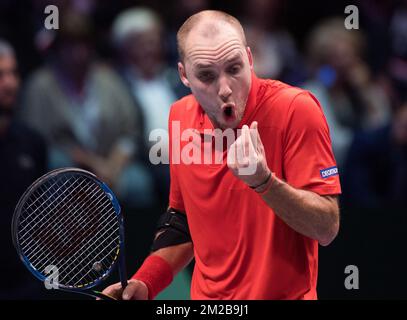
246, 157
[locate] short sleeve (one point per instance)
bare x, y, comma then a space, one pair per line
175, 198
309, 162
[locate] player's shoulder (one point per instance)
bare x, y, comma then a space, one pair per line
286, 106
283, 92
287, 98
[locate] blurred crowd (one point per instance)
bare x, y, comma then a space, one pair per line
89, 94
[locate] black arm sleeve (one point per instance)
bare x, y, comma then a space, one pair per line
174, 229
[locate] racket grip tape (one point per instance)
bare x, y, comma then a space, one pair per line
156, 273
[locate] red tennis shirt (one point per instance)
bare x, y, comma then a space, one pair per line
243, 250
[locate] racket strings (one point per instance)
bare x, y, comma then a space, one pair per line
62, 251
99, 258
40, 223
85, 252
40, 195
85, 277
54, 191
40, 216
103, 257
87, 246
80, 220
40, 212
44, 227
70, 222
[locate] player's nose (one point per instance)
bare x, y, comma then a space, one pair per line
224, 89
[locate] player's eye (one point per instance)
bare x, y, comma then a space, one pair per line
234, 69
206, 76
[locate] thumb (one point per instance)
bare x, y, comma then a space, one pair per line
253, 131
129, 291
135, 290
255, 137
254, 125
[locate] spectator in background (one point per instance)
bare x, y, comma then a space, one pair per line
272, 46
138, 36
396, 74
86, 114
178, 12
342, 82
22, 160
376, 169
374, 20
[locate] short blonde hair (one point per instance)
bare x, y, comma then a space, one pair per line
195, 19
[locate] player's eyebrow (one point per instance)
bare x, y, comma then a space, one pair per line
203, 66
230, 60
235, 57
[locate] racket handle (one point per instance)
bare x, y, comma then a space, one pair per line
122, 269
124, 283
122, 256
122, 272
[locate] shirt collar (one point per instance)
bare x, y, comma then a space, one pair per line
251, 101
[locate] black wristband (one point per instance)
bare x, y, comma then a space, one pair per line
263, 183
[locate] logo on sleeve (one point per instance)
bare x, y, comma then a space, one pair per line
329, 172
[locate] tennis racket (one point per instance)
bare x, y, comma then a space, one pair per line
68, 225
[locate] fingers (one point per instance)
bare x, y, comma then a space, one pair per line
232, 156
245, 140
135, 290
255, 137
253, 131
251, 135
244, 147
241, 150
114, 291
129, 291
236, 157
246, 156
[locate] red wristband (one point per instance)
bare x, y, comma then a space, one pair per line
156, 273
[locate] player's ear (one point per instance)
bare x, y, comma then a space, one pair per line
250, 56
182, 74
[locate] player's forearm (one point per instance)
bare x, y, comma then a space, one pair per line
172, 251
178, 256
158, 269
308, 213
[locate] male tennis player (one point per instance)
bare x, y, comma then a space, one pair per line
253, 236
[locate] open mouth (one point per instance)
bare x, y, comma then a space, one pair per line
228, 111
228, 114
